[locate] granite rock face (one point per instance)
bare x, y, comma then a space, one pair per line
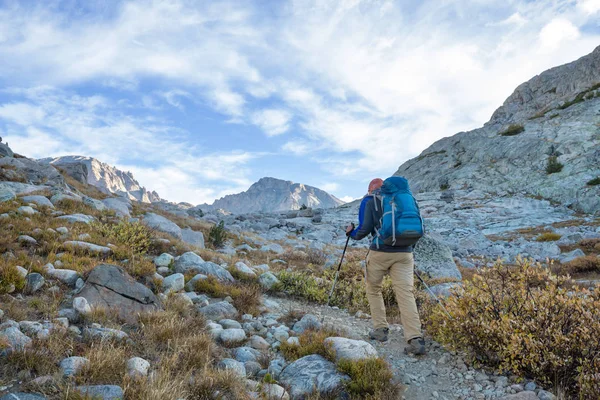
110, 287
309, 374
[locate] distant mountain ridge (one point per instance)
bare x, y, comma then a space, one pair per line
106, 178
271, 194
543, 141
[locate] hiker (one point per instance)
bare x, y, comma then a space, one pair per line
395, 258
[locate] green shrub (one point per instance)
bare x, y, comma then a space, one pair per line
134, 237
512, 130
548, 237
217, 235
594, 182
527, 321
553, 165
311, 342
10, 278
371, 378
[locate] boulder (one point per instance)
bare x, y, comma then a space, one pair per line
162, 224
66, 276
22, 396
268, 280
6, 195
444, 289
34, 172
39, 200
218, 311
101, 392
234, 366
71, 366
245, 354
6, 151
77, 218
435, 259
348, 349
244, 269
526, 395
164, 260
192, 237
88, 247
272, 391
137, 366
109, 286
26, 210
17, 340
312, 374
119, 206
571, 255
173, 283
307, 322
232, 336
273, 247
34, 282
192, 262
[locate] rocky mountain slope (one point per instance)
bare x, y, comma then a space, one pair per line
107, 178
543, 141
270, 194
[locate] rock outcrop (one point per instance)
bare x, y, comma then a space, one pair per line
270, 194
544, 141
106, 178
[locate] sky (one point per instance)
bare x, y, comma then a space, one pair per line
200, 99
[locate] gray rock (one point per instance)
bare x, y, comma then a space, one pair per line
109, 286
218, 311
164, 260
192, 237
89, 247
259, 343
570, 256
268, 280
33, 172
435, 258
101, 392
104, 334
273, 247
39, 200
307, 322
34, 283
530, 386
444, 289
544, 395
162, 224
81, 305
22, 396
66, 276
232, 365
245, 354
312, 373
232, 336
252, 368
273, 392
137, 366
26, 210
77, 218
120, 207
244, 269
93, 203
27, 240
196, 298
71, 366
63, 230
526, 395
192, 262
230, 324
57, 198
17, 341
6, 151
349, 349
173, 283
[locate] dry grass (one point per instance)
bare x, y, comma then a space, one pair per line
372, 379
83, 188
247, 297
590, 245
311, 342
108, 364
548, 237
590, 263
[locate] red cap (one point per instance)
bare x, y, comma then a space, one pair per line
375, 184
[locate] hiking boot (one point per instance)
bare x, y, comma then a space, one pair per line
380, 334
415, 346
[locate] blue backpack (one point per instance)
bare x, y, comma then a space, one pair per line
401, 222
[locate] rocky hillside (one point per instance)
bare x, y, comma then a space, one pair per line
543, 141
106, 178
270, 194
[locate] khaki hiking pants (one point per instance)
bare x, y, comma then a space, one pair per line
400, 267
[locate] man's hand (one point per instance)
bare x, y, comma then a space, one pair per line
349, 229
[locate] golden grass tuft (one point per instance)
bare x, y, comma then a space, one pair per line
580, 265
311, 342
548, 237
371, 379
247, 298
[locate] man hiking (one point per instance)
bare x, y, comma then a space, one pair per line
391, 255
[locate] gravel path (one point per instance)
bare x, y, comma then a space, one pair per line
437, 375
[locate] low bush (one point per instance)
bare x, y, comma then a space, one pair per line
548, 237
513, 130
594, 182
217, 235
553, 166
371, 379
527, 321
590, 245
580, 265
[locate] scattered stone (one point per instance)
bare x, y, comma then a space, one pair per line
162, 224
71, 366
252, 368
308, 321
218, 311
435, 258
191, 285
273, 247
259, 343
195, 238
39, 200
62, 230
77, 218
22, 396
89, 247
544, 395
66, 276
164, 260
274, 392
22, 271
268, 280
235, 366
27, 240
312, 373
230, 324
245, 354
137, 366
190, 261
232, 336
104, 333
173, 283
570, 256
527, 395
81, 305
244, 269
26, 210
101, 392
351, 349
17, 341
530, 386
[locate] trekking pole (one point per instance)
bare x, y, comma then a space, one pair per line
337, 274
433, 294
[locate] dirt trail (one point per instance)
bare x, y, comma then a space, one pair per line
437, 375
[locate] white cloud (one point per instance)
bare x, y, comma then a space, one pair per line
589, 6
556, 32
297, 147
21, 113
329, 187
272, 121
347, 199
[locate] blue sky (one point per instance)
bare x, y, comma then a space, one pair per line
201, 98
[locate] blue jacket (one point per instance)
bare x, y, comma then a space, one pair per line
369, 219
